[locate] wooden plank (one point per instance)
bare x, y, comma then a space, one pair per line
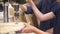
11, 27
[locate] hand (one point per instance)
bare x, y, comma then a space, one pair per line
29, 1
28, 28
23, 7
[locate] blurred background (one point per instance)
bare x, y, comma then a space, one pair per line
7, 13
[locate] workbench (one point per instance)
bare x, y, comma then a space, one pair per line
11, 28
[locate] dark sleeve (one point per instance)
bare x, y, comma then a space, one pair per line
29, 9
55, 8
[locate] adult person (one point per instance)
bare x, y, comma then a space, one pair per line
42, 17
44, 6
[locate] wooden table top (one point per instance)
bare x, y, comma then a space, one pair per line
10, 27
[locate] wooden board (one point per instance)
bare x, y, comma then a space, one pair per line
10, 27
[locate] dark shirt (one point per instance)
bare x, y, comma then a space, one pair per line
56, 11
44, 6
55, 8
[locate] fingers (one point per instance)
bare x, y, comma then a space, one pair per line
24, 30
27, 24
23, 7
27, 28
26, 0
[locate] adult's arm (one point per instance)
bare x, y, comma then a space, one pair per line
29, 29
39, 15
38, 31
